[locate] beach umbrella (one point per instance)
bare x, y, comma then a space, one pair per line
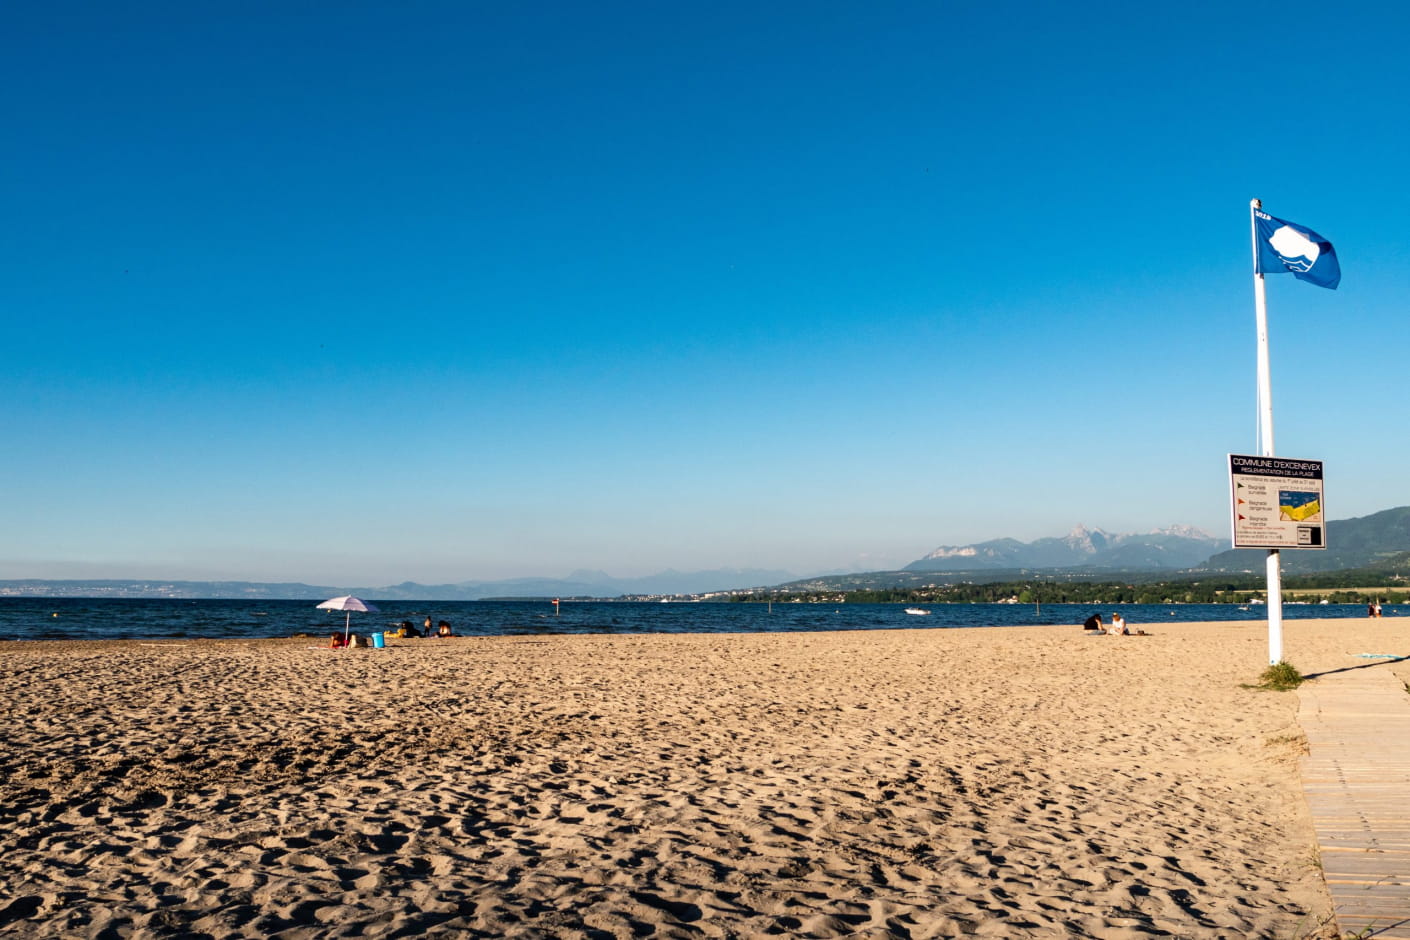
348, 603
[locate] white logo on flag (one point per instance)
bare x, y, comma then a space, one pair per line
1294, 248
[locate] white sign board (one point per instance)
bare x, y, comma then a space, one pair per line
1277, 502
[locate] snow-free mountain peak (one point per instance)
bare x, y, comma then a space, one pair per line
1177, 546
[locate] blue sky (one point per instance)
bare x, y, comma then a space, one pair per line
362, 293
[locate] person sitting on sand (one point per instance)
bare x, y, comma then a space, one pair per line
443, 629
1119, 628
406, 628
1093, 622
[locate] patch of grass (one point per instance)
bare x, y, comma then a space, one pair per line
1313, 928
1297, 742
1282, 676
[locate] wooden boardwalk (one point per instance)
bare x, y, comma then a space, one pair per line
1357, 779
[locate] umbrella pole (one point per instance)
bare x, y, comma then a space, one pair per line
346, 624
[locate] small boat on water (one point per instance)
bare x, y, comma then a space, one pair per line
917, 611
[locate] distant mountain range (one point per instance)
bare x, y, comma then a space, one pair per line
576, 584
1378, 540
1174, 547
583, 583
1363, 542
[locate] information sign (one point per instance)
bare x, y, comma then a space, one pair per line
1277, 502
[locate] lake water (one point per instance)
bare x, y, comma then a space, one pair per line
76, 618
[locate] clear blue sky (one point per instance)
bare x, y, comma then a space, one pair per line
359, 293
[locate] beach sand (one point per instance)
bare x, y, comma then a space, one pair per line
1012, 782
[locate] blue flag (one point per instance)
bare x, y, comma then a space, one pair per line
1289, 248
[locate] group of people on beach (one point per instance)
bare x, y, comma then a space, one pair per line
404, 629
1093, 624
407, 629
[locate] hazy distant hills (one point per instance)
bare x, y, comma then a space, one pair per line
1173, 547
1380, 542
577, 584
584, 583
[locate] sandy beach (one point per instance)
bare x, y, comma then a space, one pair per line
1013, 782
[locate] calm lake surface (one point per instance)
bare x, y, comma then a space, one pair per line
76, 618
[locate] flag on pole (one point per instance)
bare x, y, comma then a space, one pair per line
1289, 248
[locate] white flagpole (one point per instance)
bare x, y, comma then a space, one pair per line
1265, 422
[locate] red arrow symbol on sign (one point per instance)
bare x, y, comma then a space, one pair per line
1243, 517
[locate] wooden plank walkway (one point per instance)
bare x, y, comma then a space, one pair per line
1357, 779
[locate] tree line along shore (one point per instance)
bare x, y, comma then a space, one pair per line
1310, 589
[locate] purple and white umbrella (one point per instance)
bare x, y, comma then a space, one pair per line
348, 603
